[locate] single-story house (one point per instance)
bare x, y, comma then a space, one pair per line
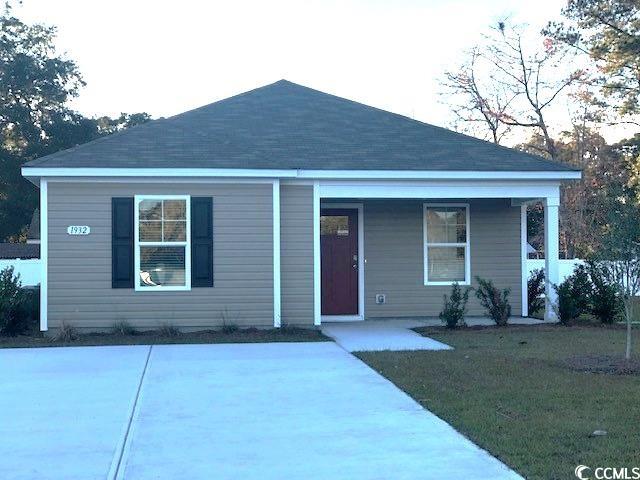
284, 205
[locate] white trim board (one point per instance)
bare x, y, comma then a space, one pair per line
439, 189
36, 171
361, 263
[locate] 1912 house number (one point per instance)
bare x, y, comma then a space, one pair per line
78, 230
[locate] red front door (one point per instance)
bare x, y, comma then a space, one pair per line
339, 261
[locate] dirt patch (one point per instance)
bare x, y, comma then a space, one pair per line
607, 364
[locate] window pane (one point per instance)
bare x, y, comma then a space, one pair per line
446, 264
446, 225
175, 209
437, 234
162, 266
150, 210
150, 231
334, 225
436, 217
175, 231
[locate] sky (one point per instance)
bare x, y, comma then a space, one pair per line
166, 57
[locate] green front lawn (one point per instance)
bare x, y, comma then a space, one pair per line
511, 391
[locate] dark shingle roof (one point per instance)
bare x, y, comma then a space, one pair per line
19, 250
288, 126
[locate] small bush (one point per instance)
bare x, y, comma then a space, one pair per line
574, 296
66, 333
567, 308
606, 304
494, 301
168, 330
582, 288
535, 290
229, 328
123, 327
455, 307
14, 304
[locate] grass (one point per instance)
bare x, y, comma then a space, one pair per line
511, 392
168, 335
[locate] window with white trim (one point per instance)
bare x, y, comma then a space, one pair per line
162, 242
446, 244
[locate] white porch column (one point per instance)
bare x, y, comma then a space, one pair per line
277, 313
551, 254
44, 255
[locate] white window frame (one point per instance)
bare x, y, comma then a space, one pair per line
466, 245
186, 244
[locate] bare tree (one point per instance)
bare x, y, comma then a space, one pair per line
477, 105
536, 78
504, 85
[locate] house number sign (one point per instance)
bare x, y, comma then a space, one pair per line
78, 230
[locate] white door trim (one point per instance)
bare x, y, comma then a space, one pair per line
360, 316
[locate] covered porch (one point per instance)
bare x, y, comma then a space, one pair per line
391, 249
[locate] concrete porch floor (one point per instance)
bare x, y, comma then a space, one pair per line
396, 333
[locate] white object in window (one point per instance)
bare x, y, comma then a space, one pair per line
446, 244
162, 242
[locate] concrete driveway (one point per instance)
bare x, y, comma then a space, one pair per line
251, 411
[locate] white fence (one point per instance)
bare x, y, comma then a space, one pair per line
29, 269
566, 266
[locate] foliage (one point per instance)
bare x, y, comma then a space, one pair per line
609, 32
605, 301
619, 254
122, 327
567, 307
455, 307
66, 333
168, 330
229, 328
535, 290
36, 84
494, 301
14, 304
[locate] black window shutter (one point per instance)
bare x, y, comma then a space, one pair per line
201, 242
122, 242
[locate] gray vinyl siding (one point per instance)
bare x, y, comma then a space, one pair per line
80, 290
393, 247
296, 250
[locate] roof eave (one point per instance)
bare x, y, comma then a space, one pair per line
34, 173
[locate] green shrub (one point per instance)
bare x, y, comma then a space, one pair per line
582, 288
494, 301
122, 327
14, 304
574, 296
455, 307
567, 307
606, 304
535, 290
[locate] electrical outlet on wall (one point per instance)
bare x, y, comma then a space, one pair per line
381, 298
